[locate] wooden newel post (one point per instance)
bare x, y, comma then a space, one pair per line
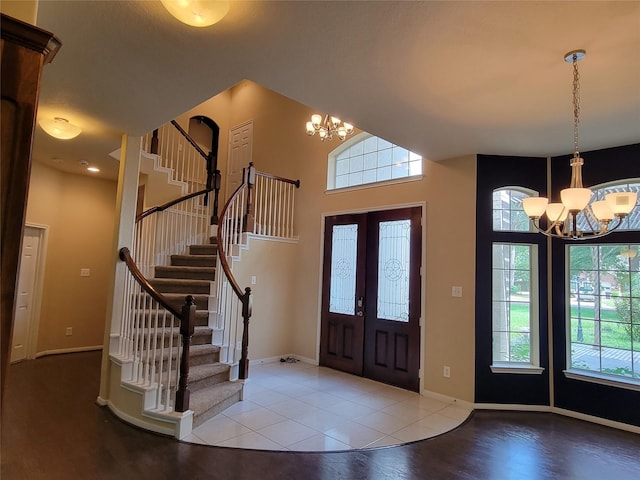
187, 327
248, 218
217, 180
154, 143
247, 307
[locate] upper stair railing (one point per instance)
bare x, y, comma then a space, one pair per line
262, 205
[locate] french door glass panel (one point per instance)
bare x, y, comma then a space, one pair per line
344, 252
393, 270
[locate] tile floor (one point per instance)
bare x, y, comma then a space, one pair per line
303, 407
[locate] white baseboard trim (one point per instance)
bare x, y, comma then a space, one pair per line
598, 420
101, 401
68, 350
448, 399
139, 423
512, 406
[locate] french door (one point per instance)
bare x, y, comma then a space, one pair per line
370, 324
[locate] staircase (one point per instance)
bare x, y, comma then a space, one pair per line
209, 380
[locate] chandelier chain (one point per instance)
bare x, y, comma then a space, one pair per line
576, 105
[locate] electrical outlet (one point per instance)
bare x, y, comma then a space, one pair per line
446, 371
69, 331
456, 291
85, 272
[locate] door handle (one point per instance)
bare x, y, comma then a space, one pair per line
359, 309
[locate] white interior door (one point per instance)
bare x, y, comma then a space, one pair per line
25, 295
240, 145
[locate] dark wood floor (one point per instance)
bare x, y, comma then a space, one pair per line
53, 429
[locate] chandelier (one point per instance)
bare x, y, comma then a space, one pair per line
328, 127
600, 217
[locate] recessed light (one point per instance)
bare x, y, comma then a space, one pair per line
93, 169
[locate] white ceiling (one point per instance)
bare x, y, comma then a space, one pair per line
442, 78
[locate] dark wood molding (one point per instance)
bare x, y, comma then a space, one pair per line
27, 36
24, 50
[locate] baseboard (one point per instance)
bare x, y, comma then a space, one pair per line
512, 406
598, 420
448, 399
68, 350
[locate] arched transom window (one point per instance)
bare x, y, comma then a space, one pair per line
369, 159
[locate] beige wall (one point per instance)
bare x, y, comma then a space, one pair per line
271, 262
79, 213
281, 147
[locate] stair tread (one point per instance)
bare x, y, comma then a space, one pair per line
204, 399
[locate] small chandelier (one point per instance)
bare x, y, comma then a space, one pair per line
327, 128
562, 218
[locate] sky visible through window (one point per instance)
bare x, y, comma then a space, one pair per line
372, 160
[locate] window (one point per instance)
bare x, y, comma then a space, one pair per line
630, 222
508, 214
514, 285
514, 305
603, 310
367, 159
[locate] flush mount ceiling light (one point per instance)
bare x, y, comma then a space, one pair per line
59, 127
327, 128
197, 13
576, 217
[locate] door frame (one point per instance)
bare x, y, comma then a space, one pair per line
33, 326
373, 209
248, 123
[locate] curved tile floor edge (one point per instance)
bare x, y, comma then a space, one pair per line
303, 407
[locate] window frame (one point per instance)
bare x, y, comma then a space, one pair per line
361, 137
533, 365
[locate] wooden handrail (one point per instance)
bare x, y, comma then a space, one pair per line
189, 139
125, 256
160, 208
281, 179
222, 255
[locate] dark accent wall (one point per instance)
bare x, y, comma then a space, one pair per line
613, 403
497, 172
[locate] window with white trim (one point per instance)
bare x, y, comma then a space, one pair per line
515, 304
603, 310
367, 159
514, 285
508, 214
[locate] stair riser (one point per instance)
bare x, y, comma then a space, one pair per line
209, 381
204, 359
186, 273
202, 318
212, 412
203, 249
182, 287
202, 302
193, 261
197, 339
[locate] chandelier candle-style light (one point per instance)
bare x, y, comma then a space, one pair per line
328, 127
562, 218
